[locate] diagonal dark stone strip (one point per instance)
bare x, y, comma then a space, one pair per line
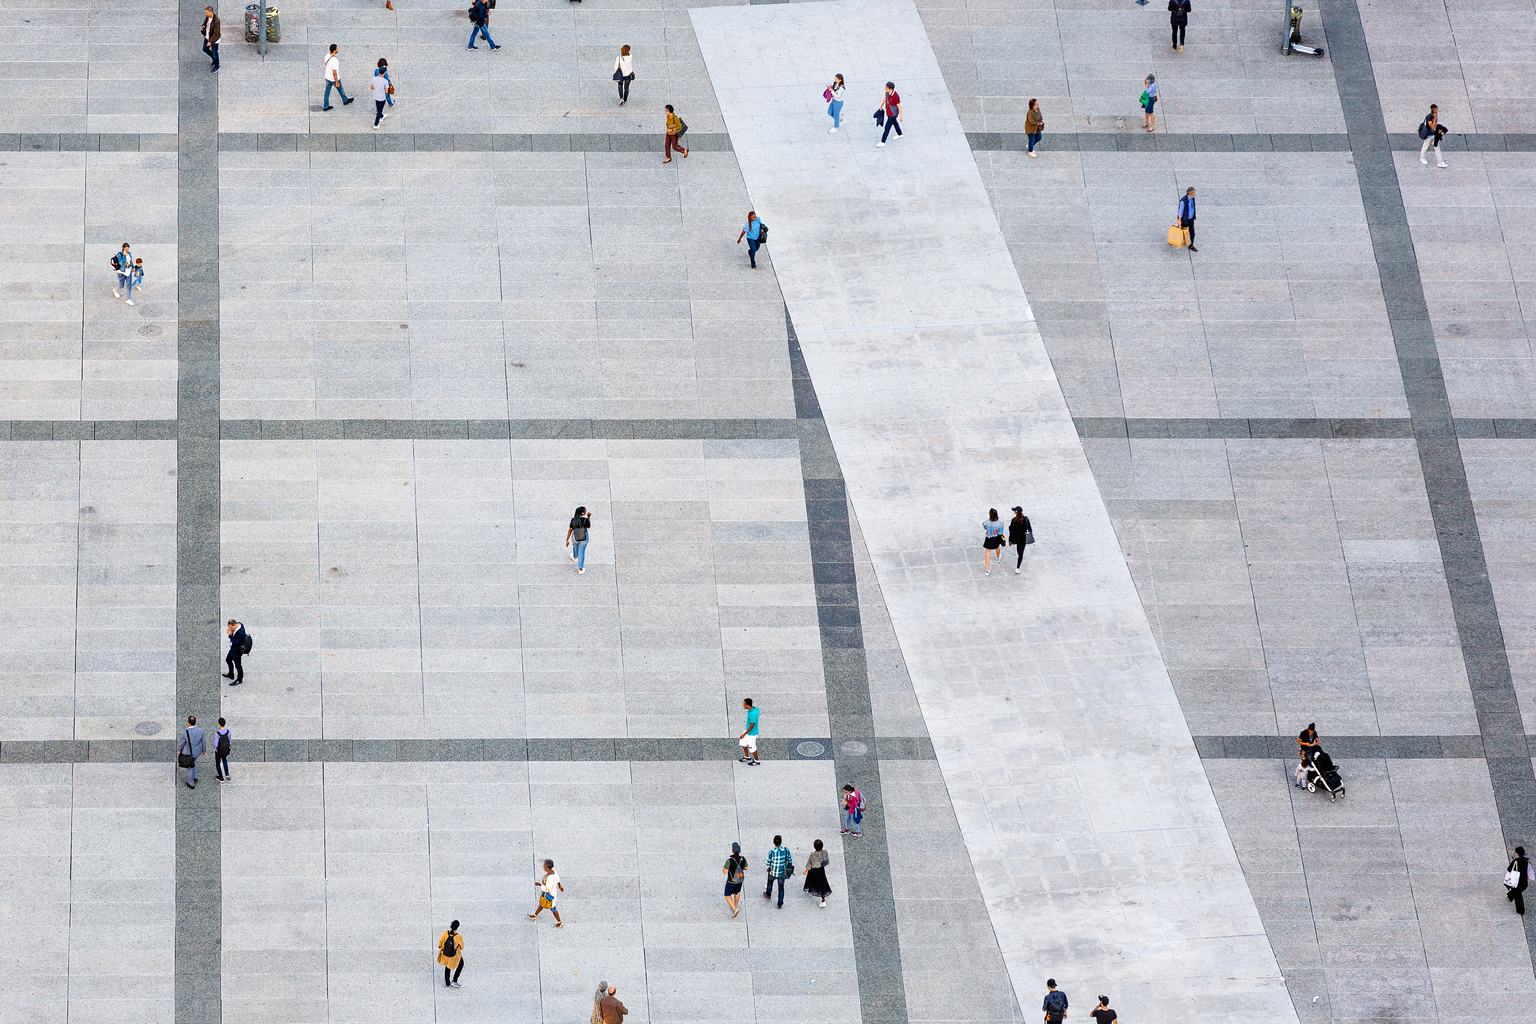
199, 867
1445, 477
871, 893
1268, 748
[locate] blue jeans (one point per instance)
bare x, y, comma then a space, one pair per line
835, 108
329, 85
122, 280
212, 50
848, 822
132, 280
579, 552
752, 245
221, 765
769, 891
1034, 140
481, 29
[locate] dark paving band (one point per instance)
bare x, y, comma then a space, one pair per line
1268, 748
1195, 428
871, 894
719, 142
1445, 479
199, 843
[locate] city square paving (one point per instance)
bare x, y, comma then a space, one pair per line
1281, 480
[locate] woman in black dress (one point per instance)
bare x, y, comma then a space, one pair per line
816, 873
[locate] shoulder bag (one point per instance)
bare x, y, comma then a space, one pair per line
184, 758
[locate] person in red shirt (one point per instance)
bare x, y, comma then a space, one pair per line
891, 105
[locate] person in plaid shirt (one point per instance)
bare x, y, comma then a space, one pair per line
780, 866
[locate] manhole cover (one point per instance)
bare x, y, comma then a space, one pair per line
147, 728
150, 311
853, 748
151, 330
810, 748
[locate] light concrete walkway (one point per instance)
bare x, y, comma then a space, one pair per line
1090, 823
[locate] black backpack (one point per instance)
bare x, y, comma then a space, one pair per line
450, 950
250, 641
221, 748
1055, 1006
117, 262
1424, 128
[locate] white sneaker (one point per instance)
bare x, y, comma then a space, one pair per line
579, 571
115, 294
456, 985
831, 131
1424, 161
989, 572
1017, 571
823, 902
130, 302
375, 127
1442, 164
879, 145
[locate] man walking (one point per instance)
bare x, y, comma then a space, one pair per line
236, 632
748, 739
548, 886
1187, 215
480, 16
221, 744
612, 1010
1055, 1005
890, 106
333, 80
189, 747
211, 35
1431, 131
1178, 18
735, 872
780, 866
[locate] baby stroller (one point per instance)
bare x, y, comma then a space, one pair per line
1320, 773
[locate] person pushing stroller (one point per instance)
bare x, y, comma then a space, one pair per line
1321, 773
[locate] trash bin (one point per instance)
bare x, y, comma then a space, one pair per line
274, 27
252, 19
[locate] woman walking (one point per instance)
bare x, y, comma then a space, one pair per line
597, 1011
450, 953
816, 873
576, 538
735, 871
993, 529
548, 887
1149, 103
1019, 535
853, 810
676, 129
834, 98
752, 231
1034, 126
623, 73
383, 69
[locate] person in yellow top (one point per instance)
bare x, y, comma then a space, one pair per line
675, 130
453, 965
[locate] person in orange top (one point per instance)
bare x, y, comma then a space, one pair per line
675, 130
453, 966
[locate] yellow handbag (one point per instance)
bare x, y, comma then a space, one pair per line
1177, 237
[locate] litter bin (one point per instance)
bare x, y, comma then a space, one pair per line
253, 19
274, 27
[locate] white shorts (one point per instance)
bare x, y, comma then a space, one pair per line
749, 744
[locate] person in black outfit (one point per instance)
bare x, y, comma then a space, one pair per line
1018, 535
1522, 864
236, 631
1102, 1014
1055, 1005
1178, 17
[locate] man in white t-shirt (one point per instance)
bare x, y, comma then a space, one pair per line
548, 887
333, 80
380, 89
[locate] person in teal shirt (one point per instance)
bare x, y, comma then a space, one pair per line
748, 739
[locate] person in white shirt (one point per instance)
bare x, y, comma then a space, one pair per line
835, 104
624, 73
380, 89
333, 80
547, 887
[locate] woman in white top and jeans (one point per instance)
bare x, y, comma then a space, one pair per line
835, 104
624, 73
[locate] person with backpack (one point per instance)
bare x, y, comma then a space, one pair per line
1431, 131
221, 743
122, 262
548, 886
1187, 215
480, 19
1520, 870
239, 646
853, 810
1055, 1005
735, 872
450, 953
755, 232
676, 129
781, 865
576, 537
190, 746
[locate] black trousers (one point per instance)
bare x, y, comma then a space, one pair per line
1518, 895
624, 88
1020, 563
233, 661
1188, 223
450, 975
1178, 32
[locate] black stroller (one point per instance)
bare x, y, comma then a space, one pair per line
1321, 774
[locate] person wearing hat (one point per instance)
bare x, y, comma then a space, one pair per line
1019, 534
735, 871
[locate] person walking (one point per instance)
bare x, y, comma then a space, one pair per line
237, 636
576, 537
781, 865
624, 72
834, 98
1102, 1014
1306, 746
992, 530
1055, 1004
597, 1002
189, 747
1149, 103
1020, 535
135, 279
816, 873
1178, 18
211, 35
853, 811
890, 108
1431, 132
548, 886
748, 739
221, 744
379, 87
122, 262
1520, 867
752, 231
676, 129
735, 872
1187, 215
333, 80
1034, 126
480, 23
609, 1006
450, 953
383, 71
